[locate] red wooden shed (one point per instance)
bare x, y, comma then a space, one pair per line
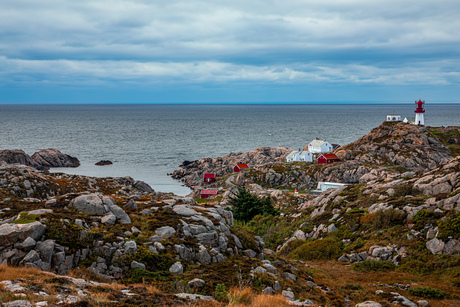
239, 167
209, 177
328, 158
207, 193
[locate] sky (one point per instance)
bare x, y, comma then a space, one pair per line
212, 51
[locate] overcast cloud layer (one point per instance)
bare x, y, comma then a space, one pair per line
229, 51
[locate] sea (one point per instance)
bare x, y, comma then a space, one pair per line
148, 141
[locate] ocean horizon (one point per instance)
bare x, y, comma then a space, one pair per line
148, 141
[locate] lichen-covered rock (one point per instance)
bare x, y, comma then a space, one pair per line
90, 204
12, 233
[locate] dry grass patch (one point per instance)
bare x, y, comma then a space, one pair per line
12, 273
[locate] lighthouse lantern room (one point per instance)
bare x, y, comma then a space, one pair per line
419, 120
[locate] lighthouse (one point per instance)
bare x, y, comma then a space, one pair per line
419, 120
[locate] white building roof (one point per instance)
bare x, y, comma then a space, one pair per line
317, 143
292, 154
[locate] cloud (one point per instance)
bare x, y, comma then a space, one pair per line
290, 41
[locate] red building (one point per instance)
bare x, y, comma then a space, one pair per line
209, 177
240, 167
207, 193
328, 158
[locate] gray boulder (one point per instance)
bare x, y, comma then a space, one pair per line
196, 283
184, 210
131, 204
435, 246
130, 246
165, 231
177, 268
137, 265
90, 204
109, 219
28, 244
122, 216
288, 294
11, 233
46, 250
18, 303
142, 186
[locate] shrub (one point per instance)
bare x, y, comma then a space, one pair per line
221, 293
246, 238
272, 229
388, 218
245, 206
423, 217
449, 228
291, 246
405, 189
428, 292
325, 249
374, 266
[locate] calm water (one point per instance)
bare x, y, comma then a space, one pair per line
148, 141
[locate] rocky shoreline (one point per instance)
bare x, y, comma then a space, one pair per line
397, 219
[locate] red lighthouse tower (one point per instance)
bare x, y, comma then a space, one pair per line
419, 120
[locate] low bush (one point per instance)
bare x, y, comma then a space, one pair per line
325, 249
272, 229
246, 238
374, 266
405, 189
428, 292
449, 228
388, 218
291, 246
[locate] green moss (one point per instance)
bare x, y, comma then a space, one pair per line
26, 218
374, 266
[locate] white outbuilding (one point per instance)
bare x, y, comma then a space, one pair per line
300, 156
393, 118
318, 146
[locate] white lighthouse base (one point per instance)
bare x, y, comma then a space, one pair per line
419, 120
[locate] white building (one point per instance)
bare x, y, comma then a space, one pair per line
325, 185
409, 120
301, 156
393, 118
318, 146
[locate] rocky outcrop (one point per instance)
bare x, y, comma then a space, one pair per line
42, 159
191, 172
400, 144
16, 157
103, 162
54, 158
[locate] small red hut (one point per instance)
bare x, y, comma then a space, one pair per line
209, 177
208, 193
240, 167
328, 158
